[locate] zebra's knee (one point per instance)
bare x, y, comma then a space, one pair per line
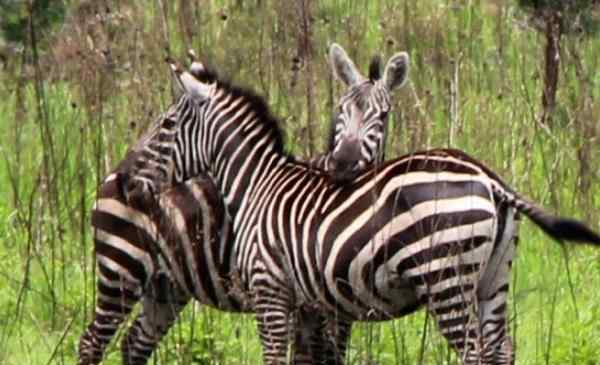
506, 352
90, 350
94, 340
135, 350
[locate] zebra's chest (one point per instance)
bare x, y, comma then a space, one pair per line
283, 222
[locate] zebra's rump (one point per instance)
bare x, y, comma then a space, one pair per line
427, 226
186, 239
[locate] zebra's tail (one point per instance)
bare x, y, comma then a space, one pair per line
559, 228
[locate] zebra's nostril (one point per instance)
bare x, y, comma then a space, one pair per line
349, 151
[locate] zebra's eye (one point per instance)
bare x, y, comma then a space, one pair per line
383, 115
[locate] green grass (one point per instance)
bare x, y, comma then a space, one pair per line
50, 168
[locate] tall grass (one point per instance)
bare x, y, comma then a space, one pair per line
475, 85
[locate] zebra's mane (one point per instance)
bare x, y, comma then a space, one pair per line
258, 105
375, 68
331, 136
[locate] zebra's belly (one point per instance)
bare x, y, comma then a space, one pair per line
374, 297
390, 278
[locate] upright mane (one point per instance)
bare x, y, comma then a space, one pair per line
375, 68
256, 103
331, 135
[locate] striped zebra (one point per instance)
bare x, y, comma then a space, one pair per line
180, 247
358, 133
435, 229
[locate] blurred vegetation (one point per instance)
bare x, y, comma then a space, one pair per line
557, 19
576, 16
16, 15
477, 72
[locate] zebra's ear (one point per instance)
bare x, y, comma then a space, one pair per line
197, 89
396, 71
342, 66
189, 83
196, 67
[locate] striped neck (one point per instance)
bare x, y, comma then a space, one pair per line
238, 141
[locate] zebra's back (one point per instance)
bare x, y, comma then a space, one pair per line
377, 247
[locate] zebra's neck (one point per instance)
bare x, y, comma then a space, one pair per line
240, 141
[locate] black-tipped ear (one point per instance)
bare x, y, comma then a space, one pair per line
396, 71
342, 66
200, 70
190, 83
375, 68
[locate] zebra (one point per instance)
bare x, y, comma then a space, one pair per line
358, 132
140, 250
433, 229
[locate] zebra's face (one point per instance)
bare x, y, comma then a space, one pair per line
357, 137
359, 126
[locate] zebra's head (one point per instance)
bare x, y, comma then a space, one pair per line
149, 169
358, 130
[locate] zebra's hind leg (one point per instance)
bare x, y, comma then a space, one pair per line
162, 304
475, 328
495, 340
450, 302
116, 296
497, 348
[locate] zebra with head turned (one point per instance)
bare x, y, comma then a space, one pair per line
358, 132
434, 229
179, 247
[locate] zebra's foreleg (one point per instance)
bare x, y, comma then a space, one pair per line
308, 339
272, 298
334, 337
273, 319
162, 304
116, 297
321, 338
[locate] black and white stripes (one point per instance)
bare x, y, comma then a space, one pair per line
164, 258
433, 229
163, 248
357, 138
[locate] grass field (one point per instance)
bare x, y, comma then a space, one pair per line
476, 83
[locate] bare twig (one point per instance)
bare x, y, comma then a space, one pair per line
454, 97
165, 27
61, 340
551, 65
305, 51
